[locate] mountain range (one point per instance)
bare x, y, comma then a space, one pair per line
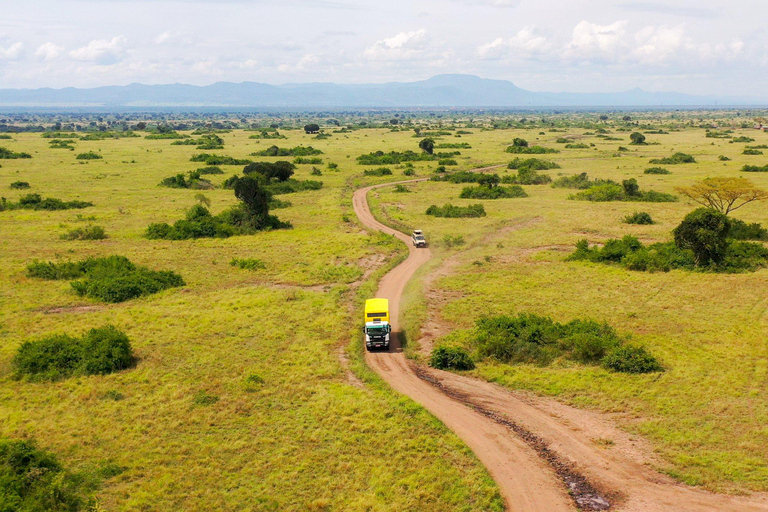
451, 90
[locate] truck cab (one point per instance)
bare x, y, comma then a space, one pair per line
377, 327
418, 238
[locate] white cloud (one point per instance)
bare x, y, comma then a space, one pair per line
306, 63
403, 46
527, 43
48, 51
13, 52
101, 51
593, 41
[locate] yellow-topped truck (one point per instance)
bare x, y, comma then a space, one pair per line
377, 327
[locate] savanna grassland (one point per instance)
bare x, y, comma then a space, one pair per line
238, 399
705, 415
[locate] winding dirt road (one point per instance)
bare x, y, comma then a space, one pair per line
542, 454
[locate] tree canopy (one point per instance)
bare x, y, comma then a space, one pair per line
724, 194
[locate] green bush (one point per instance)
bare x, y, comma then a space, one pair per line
533, 164
447, 161
90, 155
627, 191
211, 169
631, 359
397, 157
381, 171
482, 192
532, 150
579, 145
451, 358
527, 176
656, 170
754, 168
307, 160
751, 152
19, 185
740, 230
36, 202
291, 186
677, 158
32, 480
638, 218
213, 159
529, 338
7, 154
297, 151
451, 211
98, 352
705, 232
110, 279
248, 263
606, 192
580, 181
86, 233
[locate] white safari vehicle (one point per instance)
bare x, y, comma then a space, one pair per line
418, 238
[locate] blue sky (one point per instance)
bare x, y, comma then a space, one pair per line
700, 47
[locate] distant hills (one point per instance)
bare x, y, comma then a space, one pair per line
438, 91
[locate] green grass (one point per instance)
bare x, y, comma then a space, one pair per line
189, 424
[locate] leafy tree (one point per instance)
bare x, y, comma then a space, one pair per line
281, 171
637, 138
631, 188
255, 199
310, 128
520, 143
427, 145
488, 180
705, 232
724, 194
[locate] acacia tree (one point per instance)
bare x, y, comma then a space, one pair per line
724, 194
427, 145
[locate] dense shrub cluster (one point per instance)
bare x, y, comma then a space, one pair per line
213, 159
527, 176
32, 480
677, 158
579, 181
449, 210
577, 145
280, 171
297, 151
7, 154
211, 169
190, 180
379, 171
740, 230
397, 157
206, 142
110, 279
19, 185
451, 358
62, 144
755, 168
533, 339
90, 155
459, 177
453, 145
530, 150
631, 359
36, 202
534, 164
629, 190
166, 135
483, 192
700, 242
248, 263
98, 352
751, 152
308, 160
86, 233
657, 170
638, 218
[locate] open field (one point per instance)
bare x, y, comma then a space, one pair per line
190, 430
186, 425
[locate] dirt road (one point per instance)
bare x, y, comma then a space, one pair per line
542, 454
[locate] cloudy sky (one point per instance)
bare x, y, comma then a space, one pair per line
693, 46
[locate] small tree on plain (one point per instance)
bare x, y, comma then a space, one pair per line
724, 194
637, 138
427, 145
704, 231
311, 128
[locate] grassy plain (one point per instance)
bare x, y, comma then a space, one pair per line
239, 400
706, 415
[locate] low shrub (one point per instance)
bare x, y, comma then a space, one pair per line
629, 190
453, 241
90, 155
451, 358
530, 150
381, 171
642, 218
482, 192
631, 359
751, 152
86, 233
534, 164
451, 211
211, 169
110, 279
291, 186
214, 160
755, 168
740, 230
297, 151
308, 160
248, 263
447, 161
460, 177
401, 189
36, 202
19, 185
527, 176
192, 180
33, 480
677, 158
657, 170
578, 145
579, 181
98, 352
7, 154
